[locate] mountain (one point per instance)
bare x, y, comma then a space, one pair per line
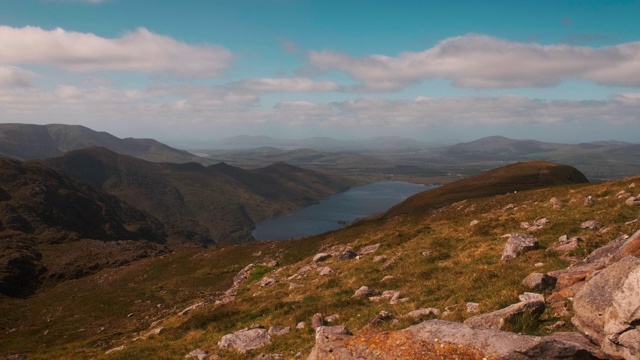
219, 203
599, 161
41, 209
28, 142
376, 277
382, 144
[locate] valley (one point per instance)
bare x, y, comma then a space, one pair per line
105, 255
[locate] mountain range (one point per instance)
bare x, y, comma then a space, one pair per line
28, 142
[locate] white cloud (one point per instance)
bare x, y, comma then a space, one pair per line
11, 77
297, 84
138, 51
477, 61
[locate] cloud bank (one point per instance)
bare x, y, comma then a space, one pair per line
137, 51
478, 61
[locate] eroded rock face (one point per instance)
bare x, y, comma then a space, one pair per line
436, 339
245, 340
607, 308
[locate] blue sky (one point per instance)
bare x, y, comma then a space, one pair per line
194, 71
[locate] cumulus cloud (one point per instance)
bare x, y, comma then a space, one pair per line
297, 84
11, 77
139, 51
477, 61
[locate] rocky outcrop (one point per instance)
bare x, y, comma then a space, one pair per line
539, 282
437, 339
607, 308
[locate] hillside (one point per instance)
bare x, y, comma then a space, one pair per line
445, 263
510, 178
219, 203
28, 142
41, 209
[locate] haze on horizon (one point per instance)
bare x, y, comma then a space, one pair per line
199, 71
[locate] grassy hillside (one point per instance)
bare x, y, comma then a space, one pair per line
436, 258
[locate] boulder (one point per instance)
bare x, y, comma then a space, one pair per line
539, 281
347, 255
607, 308
364, 291
321, 257
472, 307
417, 314
278, 331
197, 354
591, 225
437, 339
245, 340
369, 249
632, 200
497, 319
518, 244
332, 318
317, 320
569, 245
555, 203
324, 271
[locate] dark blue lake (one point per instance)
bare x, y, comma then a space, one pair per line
358, 202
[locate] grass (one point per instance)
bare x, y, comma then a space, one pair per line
461, 263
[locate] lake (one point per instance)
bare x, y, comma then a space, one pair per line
330, 213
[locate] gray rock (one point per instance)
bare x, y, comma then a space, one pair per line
557, 204
632, 200
293, 285
607, 308
531, 297
115, 349
267, 281
191, 308
369, 249
317, 321
518, 244
197, 354
332, 318
347, 255
589, 200
364, 291
472, 307
474, 223
569, 246
301, 325
497, 319
416, 314
379, 258
321, 257
435, 339
324, 271
382, 316
591, 225
278, 331
245, 340
304, 270
539, 282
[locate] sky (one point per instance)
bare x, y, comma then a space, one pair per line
191, 72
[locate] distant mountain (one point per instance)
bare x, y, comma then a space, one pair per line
602, 160
382, 144
28, 142
198, 204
